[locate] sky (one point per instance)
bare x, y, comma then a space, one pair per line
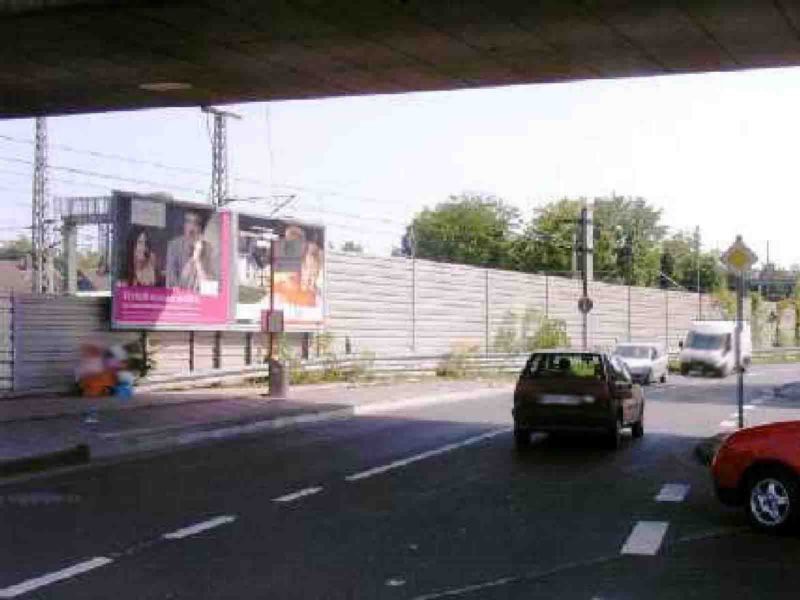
715, 150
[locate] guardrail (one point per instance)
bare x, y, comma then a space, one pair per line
353, 368
385, 367
382, 367
784, 353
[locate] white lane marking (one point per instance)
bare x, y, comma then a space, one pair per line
299, 494
673, 492
417, 457
646, 538
199, 527
727, 423
37, 582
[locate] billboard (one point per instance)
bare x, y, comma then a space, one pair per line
299, 276
172, 264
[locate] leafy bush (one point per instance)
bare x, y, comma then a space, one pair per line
552, 333
532, 331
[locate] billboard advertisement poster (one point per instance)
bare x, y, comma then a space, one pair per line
172, 264
299, 277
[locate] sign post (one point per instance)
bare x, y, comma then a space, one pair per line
739, 259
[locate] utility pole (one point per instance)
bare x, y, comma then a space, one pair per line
42, 239
585, 304
219, 154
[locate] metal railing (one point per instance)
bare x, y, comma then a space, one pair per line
385, 367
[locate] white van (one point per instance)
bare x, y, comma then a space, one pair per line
709, 348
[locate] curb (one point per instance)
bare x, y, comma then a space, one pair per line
76, 455
175, 438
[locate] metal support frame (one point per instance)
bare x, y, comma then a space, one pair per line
248, 348
629, 312
217, 351
547, 296
486, 314
666, 320
219, 154
413, 304
43, 238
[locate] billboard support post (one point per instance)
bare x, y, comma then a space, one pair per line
277, 376
272, 246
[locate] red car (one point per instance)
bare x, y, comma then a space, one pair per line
759, 468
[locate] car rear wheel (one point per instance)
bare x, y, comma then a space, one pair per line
772, 499
522, 439
614, 437
637, 429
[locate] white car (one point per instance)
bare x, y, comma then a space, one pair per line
647, 361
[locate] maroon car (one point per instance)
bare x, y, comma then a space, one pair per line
573, 391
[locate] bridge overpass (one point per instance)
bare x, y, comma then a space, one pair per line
72, 56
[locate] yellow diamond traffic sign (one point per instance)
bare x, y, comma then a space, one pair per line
739, 257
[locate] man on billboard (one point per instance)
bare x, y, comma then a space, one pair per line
190, 263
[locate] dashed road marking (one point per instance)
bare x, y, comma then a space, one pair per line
199, 527
67, 573
727, 423
645, 538
417, 457
299, 494
673, 492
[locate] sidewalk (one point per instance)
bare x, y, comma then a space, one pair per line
154, 421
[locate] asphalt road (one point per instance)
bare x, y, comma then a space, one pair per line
420, 504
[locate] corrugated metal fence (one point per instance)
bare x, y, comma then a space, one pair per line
401, 306
6, 346
382, 306
40, 337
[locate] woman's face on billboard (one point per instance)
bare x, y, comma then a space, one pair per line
141, 248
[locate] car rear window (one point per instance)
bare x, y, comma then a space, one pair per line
634, 351
573, 365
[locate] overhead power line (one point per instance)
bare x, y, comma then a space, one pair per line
202, 172
109, 176
110, 156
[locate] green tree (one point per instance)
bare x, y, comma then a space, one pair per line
15, 248
547, 241
681, 248
627, 236
467, 229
